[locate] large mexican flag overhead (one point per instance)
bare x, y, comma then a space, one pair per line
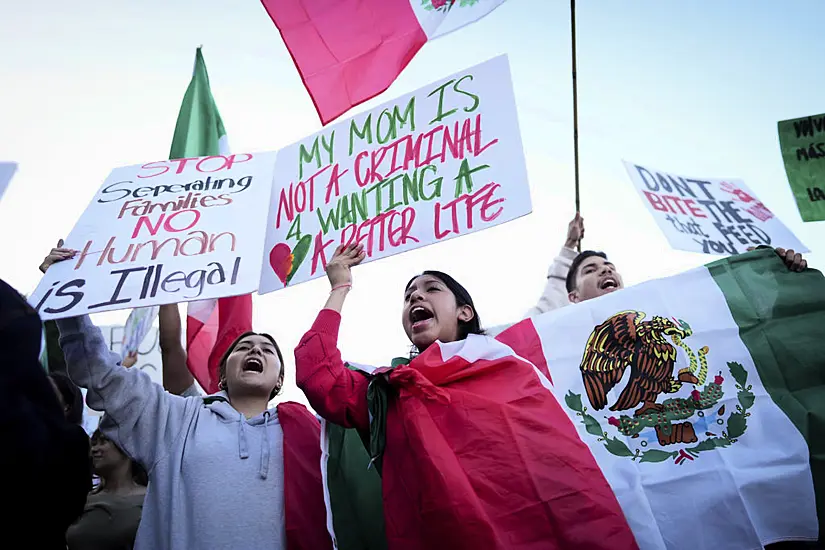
700, 396
349, 51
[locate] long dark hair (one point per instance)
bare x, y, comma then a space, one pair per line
71, 395
462, 298
228, 352
139, 474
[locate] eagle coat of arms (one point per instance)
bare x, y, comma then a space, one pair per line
649, 350
446, 5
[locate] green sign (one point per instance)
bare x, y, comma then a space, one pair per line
802, 141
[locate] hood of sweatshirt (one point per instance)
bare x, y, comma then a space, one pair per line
218, 404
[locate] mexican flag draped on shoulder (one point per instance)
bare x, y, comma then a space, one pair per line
701, 397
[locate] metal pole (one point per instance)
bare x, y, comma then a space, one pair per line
575, 108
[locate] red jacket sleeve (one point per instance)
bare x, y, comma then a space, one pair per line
336, 392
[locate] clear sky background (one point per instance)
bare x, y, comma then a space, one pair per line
688, 87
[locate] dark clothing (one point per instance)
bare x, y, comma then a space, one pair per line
45, 459
54, 355
109, 522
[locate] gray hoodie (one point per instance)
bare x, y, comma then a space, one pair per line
216, 479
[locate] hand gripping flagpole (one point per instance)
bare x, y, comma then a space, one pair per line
575, 110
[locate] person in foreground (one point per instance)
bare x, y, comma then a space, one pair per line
112, 514
216, 464
69, 396
45, 455
473, 449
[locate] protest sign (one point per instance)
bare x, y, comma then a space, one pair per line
438, 163
148, 354
802, 141
136, 328
709, 215
7, 170
165, 232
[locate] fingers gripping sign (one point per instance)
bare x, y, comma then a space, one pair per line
57, 254
339, 273
130, 360
339, 268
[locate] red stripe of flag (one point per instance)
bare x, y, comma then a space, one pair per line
479, 454
347, 51
207, 339
306, 515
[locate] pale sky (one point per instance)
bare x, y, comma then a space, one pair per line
694, 88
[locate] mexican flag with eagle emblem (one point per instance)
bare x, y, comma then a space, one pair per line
701, 398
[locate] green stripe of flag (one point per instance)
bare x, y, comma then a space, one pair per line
781, 319
199, 128
354, 492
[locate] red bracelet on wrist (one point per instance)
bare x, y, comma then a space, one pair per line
345, 285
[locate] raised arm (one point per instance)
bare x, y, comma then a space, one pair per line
145, 419
176, 376
337, 393
555, 292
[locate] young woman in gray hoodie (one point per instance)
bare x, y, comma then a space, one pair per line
215, 464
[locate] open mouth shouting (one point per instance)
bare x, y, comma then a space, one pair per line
420, 318
253, 364
609, 284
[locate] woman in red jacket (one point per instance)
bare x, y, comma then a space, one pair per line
474, 451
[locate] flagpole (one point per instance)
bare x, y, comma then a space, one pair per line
575, 110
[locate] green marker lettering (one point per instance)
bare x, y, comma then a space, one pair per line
474, 97
441, 114
331, 219
295, 229
364, 133
465, 177
434, 183
308, 156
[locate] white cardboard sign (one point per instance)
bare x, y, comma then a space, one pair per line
438, 163
709, 215
136, 328
7, 170
164, 232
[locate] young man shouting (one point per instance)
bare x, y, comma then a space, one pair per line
574, 278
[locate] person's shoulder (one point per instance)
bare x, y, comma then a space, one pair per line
192, 391
95, 496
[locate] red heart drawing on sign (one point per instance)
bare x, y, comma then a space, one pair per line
285, 261
280, 258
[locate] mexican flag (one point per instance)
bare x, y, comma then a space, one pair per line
701, 398
211, 325
349, 51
